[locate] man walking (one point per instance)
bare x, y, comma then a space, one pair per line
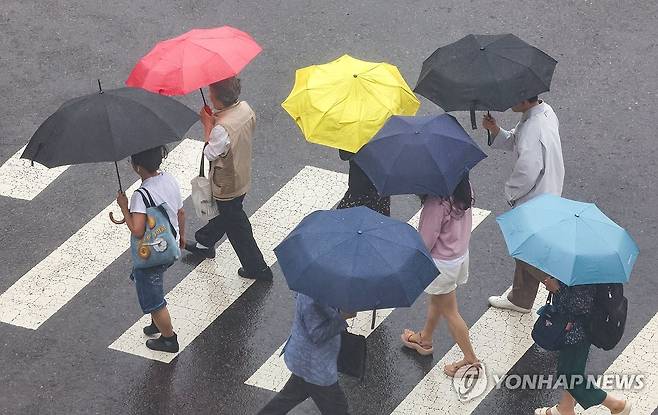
538, 169
229, 132
311, 354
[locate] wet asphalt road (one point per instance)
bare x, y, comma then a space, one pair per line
604, 92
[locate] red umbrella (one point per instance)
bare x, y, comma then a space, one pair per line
193, 60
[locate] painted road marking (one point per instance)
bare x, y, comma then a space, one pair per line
499, 337
47, 287
639, 357
20, 180
273, 374
214, 285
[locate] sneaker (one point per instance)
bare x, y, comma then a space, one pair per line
264, 275
501, 301
206, 253
151, 330
164, 344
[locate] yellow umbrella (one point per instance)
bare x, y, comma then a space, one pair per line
342, 104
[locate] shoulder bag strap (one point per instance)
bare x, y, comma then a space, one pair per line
202, 170
149, 196
146, 201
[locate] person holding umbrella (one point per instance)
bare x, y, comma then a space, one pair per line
360, 189
311, 354
445, 226
229, 133
538, 169
578, 301
161, 187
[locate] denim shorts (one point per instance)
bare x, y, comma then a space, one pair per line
150, 290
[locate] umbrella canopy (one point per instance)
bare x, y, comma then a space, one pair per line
485, 72
193, 60
572, 241
342, 104
108, 126
356, 259
419, 155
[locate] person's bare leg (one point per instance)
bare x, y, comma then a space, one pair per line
162, 319
566, 406
615, 405
447, 304
432, 320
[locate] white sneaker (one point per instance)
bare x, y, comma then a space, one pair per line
501, 301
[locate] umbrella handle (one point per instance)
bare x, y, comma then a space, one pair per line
374, 318
474, 124
117, 221
489, 142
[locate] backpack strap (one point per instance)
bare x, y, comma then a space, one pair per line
148, 203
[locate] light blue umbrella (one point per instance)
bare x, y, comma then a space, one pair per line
572, 241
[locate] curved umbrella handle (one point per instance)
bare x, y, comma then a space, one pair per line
115, 221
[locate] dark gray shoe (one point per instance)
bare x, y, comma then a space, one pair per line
164, 344
151, 330
206, 253
264, 275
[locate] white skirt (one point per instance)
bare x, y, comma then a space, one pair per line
454, 272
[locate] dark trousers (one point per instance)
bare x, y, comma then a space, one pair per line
525, 285
233, 221
572, 360
329, 399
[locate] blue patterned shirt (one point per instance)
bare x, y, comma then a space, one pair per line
312, 349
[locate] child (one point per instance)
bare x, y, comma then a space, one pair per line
445, 226
162, 187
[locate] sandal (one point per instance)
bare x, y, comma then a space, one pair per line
416, 345
453, 369
544, 411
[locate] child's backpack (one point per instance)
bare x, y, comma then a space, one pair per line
608, 317
158, 246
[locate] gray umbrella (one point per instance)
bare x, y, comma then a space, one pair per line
485, 72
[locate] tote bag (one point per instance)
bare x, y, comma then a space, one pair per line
204, 204
158, 246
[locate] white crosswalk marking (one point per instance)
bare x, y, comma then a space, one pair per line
273, 374
214, 285
20, 180
499, 337
639, 357
47, 287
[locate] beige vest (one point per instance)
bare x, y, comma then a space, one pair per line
231, 175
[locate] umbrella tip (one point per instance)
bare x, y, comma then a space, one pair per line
577, 215
355, 75
482, 48
360, 232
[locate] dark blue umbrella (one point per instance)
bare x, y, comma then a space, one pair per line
356, 259
419, 155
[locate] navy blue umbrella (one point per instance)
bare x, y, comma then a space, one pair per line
356, 259
419, 155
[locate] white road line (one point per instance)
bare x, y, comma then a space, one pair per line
214, 285
20, 180
639, 357
273, 374
499, 337
47, 287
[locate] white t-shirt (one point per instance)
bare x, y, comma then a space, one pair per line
163, 188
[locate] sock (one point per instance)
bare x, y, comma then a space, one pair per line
198, 245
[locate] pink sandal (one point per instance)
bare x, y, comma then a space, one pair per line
416, 345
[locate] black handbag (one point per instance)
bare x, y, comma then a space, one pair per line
352, 355
551, 327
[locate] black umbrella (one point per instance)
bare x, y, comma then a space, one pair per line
108, 126
485, 72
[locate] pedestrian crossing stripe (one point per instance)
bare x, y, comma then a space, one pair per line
273, 374
54, 281
19, 179
209, 289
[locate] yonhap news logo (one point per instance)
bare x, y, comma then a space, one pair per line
471, 381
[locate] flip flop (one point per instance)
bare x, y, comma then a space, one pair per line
422, 350
544, 411
452, 372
